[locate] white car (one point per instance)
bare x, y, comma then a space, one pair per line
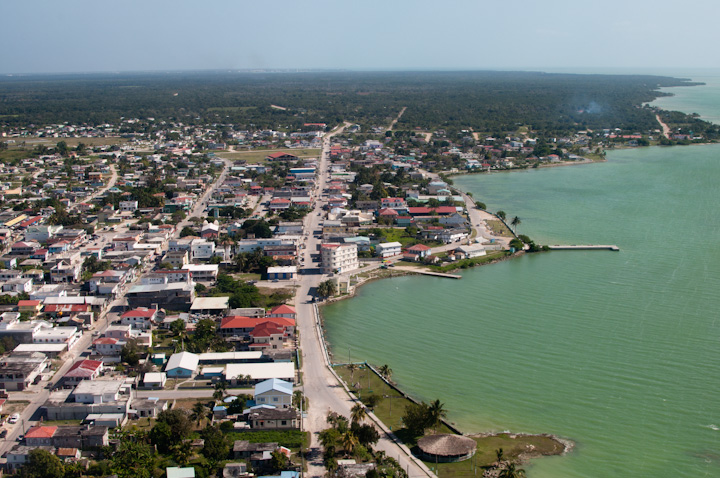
14, 418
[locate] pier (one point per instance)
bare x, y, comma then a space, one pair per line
436, 274
602, 247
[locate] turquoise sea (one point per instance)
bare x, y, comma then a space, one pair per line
618, 351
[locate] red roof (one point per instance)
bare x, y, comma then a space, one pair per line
241, 322
446, 210
41, 432
28, 303
84, 368
28, 222
50, 308
417, 211
283, 309
266, 329
140, 312
105, 340
387, 212
418, 248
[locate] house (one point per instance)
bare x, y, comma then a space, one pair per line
154, 380
178, 296
275, 392
418, 251
273, 418
108, 346
282, 273
98, 391
183, 364
141, 318
268, 335
281, 157
83, 370
284, 310
20, 369
471, 250
388, 249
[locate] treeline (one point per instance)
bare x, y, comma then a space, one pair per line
484, 101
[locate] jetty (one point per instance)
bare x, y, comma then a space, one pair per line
437, 274
588, 247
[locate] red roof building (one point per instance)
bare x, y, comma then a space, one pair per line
83, 370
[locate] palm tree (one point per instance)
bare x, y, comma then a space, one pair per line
348, 440
386, 372
352, 367
198, 412
500, 454
220, 389
437, 413
515, 223
358, 413
511, 472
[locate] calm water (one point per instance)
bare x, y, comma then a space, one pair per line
617, 351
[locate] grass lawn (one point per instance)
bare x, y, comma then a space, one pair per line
258, 156
390, 407
13, 154
58, 423
512, 445
467, 263
498, 228
14, 406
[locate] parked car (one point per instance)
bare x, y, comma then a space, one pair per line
14, 418
3, 434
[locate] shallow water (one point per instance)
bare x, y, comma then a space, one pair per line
615, 350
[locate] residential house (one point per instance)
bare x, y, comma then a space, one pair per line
275, 392
183, 364
388, 249
274, 418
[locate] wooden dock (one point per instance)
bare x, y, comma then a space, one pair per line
437, 274
588, 247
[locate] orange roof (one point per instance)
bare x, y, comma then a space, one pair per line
41, 432
283, 309
28, 303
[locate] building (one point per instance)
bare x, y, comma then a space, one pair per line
282, 273
275, 392
388, 249
259, 371
471, 250
141, 318
202, 272
338, 258
182, 365
273, 418
83, 370
178, 296
19, 370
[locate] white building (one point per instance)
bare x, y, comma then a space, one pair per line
129, 206
41, 233
57, 335
202, 249
98, 391
202, 272
338, 258
275, 392
388, 249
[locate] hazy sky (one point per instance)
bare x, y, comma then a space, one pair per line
39, 36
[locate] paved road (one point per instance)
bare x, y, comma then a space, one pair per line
320, 385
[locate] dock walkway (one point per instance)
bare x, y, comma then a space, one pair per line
604, 247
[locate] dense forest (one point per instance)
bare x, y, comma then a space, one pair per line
484, 101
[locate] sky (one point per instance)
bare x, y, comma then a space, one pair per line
51, 36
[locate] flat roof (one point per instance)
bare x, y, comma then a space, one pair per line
220, 356
282, 269
261, 371
49, 348
203, 303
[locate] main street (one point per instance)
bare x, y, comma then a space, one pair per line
321, 387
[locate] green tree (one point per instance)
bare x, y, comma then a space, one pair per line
436, 413
133, 459
279, 461
480, 205
199, 412
358, 413
161, 435
515, 223
501, 215
417, 418
326, 288
130, 353
178, 420
386, 372
187, 231
42, 464
216, 447
348, 441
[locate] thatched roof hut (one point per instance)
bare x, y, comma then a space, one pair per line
445, 447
